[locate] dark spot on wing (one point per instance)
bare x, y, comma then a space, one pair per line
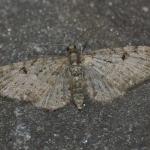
24, 69
40, 70
124, 56
107, 61
33, 62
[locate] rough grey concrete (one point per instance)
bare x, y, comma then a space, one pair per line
29, 28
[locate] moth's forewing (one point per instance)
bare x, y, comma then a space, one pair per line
109, 73
43, 81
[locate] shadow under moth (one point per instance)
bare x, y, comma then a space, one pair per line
52, 82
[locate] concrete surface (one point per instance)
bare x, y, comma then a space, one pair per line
29, 28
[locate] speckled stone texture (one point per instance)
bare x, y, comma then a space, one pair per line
30, 28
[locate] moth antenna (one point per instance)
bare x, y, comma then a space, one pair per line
85, 32
47, 43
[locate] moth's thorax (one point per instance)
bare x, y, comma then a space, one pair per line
74, 58
73, 55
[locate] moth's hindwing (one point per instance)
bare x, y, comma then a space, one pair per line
110, 73
44, 82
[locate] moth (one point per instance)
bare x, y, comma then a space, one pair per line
53, 82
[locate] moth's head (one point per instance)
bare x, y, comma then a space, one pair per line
73, 53
72, 49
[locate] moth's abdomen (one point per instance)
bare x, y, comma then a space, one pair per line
78, 100
77, 85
